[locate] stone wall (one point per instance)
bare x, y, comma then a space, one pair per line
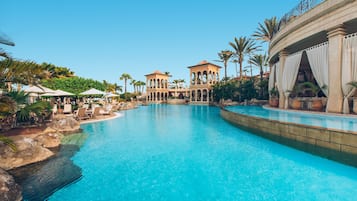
333, 144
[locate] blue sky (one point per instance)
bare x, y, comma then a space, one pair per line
103, 39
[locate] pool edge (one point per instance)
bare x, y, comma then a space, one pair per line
337, 145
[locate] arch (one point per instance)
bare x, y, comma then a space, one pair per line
193, 80
204, 95
193, 95
199, 94
204, 77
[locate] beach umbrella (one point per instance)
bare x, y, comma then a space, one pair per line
39, 90
93, 91
58, 92
110, 95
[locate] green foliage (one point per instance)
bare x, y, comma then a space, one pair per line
224, 90
266, 31
7, 106
235, 90
56, 71
21, 72
37, 111
353, 84
263, 89
247, 90
74, 85
274, 92
128, 96
7, 141
307, 86
20, 97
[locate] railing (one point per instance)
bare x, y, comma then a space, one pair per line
301, 8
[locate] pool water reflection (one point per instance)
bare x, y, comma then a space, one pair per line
171, 152
325, 121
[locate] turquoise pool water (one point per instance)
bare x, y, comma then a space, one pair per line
326, 121
167, 152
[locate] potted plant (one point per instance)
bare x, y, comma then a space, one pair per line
316, 104
354, 85
274, 97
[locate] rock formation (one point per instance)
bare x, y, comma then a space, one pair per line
9, 189
28, 151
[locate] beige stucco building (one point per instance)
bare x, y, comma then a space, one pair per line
202, 77
324, 41
157, 90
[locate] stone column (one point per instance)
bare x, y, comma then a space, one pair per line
335, 38
282, 57
202, 95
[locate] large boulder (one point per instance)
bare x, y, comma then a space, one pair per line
40, 180
9, 189
28, 151
49, 140
65, 124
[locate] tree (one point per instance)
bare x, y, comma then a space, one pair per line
224, 56
242, 47
5, 41
140, 86
235, 61
125, 77
168, 74
20, 72
260, 61
56, 71
74, 85
267, 31
134, 83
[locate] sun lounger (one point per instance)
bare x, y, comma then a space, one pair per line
54, 109
81, 114
106, 111
67, 109
96, 111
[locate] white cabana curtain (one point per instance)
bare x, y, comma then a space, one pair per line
318, 59
271, 83
291, 69
349, 68
278, 76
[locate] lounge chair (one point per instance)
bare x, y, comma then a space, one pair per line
67, 109
54, 109
106, 111
96, 111
81, 114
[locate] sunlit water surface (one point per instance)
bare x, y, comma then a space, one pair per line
348, 123
167, 152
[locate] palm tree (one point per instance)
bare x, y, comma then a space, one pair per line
267, 31
133, 82
118, 88
20, 72
140, 85
235, 61
224, 56
242, 47
5, 41
260, 61
125, 77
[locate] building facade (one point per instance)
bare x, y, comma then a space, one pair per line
322, 40
202, 77
157, 90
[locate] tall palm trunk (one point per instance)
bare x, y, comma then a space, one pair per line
240, 70
125, 85
225, 71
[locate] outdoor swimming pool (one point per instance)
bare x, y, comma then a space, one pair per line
313, 119
168, 152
